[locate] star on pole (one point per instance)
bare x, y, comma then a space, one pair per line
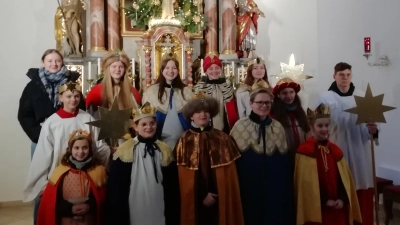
113, 123
370, 108
292, 71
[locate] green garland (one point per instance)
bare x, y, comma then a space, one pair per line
186, 11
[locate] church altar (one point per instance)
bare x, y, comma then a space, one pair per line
148, 31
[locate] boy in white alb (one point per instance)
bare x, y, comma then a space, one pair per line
351, 138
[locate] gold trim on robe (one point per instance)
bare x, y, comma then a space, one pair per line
125, 151
246, 134
307, 190
151, 96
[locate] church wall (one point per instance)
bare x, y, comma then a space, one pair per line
342, 26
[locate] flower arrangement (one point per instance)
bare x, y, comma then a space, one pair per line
141, 11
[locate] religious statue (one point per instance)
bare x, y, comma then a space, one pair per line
168, 9
248, 13
68, 27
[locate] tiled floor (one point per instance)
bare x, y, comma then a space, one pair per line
23, 216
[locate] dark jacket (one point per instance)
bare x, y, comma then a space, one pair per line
35, 105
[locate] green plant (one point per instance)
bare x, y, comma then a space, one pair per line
141, 11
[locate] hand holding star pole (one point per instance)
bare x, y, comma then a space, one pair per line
113, 123
370, 110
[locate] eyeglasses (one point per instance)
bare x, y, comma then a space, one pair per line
261, 103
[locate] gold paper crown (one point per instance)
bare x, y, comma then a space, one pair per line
284, 80
257, 60
201, 95
69, 86
79, 134
114, 56
259, 84
320, 112
147, 110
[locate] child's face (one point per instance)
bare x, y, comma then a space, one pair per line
320, 128
146, 127
80, 150
170, 71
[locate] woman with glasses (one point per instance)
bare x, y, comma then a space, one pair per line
264, 171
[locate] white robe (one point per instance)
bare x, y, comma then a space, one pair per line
146, 196
51, 147
243, 101
352, 139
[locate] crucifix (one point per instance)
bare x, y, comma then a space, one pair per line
167, 44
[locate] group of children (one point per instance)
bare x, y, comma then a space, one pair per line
190, 160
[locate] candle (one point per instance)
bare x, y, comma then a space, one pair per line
98, 66
201, 67
233, 69
367, 44
183, 64
90, 70
133, 72
227, 70
242, 73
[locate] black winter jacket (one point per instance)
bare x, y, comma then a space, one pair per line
35, 105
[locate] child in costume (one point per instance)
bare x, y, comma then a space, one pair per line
115, 82
168, 95
265, 169
207, 173
216, 86
143, 187
256, 69
324, 188
53, 140
75, 192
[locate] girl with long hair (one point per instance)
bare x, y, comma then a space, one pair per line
169, 95
256, 70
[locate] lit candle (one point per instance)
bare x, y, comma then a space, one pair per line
98, 66
227, 70
367, 44
233, 69
242, 73
90, 70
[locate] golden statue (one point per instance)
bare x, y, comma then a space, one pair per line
248, 13
68, 27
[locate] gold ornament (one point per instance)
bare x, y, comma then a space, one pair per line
369, 108
259, 84
114, 123
147, 110
258, 60
322, 111
69, 86
79, 134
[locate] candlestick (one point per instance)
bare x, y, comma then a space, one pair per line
227, 70
90, 70
183, 64
98, 66
367, 44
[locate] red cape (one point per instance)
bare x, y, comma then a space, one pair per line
231, 112
308, 149
94, 97
47, 207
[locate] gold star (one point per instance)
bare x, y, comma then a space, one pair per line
114, 123
71, 86
369, 108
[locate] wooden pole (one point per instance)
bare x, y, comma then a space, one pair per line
371, 137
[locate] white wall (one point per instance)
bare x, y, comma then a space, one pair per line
316, 33
342, 26
27, 31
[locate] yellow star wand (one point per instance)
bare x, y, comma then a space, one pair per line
370, 110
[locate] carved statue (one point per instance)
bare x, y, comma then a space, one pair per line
167, 9
248, 13
68, 27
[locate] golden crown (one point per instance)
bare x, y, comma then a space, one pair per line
69, 86
147, 110
321, 111
259, 84
79, 134
284, 80
257, 60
